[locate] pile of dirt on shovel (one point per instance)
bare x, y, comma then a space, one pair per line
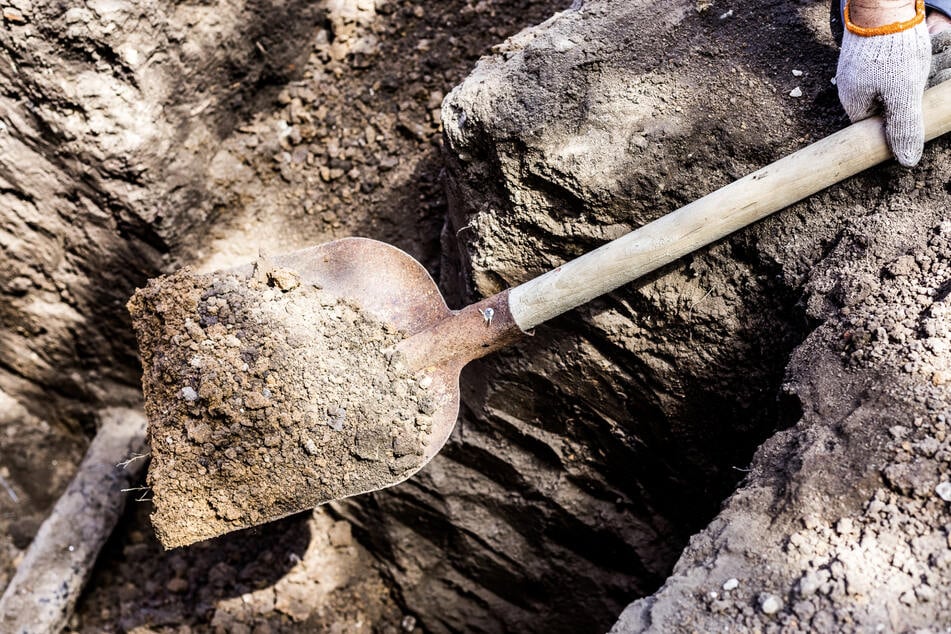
265, 397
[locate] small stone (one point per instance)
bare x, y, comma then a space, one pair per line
844, 526
731, 584
925, 593
944, 491
770, 603
796, 72
310, 446
284, 279
336, 417
189, 394
809, 584
11, 14
427, 405
898, 432
796, 92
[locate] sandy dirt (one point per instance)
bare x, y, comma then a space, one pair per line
268, 396
350, 146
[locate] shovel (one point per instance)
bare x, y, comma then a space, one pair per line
393, 287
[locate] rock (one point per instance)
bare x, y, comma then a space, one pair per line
731, 584
13, 15
770, 604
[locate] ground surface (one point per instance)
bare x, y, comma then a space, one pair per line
829, 316
586, 457
349, 147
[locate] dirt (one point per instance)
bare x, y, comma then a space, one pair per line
592, 483
267, 397
843, 525
269, 193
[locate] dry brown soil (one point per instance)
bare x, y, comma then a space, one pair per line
266, 396
351, 146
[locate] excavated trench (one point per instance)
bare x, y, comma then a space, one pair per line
585, 457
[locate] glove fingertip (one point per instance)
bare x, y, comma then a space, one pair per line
908, 156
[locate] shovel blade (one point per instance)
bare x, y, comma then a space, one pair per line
224, 486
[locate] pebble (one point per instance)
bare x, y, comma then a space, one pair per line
796, 92
731, 584
796, 72
944, 491
11, 14
189, 394
770, 603
844, 526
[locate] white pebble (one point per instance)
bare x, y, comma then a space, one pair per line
189, 394
796, 92
796, 72
731, 584
770, 603
944, 491
425, 382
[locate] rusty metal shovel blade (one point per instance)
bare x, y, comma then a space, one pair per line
268, 387
394, 288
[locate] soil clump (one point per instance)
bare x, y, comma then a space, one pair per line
267, 396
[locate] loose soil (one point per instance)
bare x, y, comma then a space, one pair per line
370, 92
266, 397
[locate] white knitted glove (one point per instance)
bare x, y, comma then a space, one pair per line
891, 70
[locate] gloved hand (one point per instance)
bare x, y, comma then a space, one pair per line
888, 66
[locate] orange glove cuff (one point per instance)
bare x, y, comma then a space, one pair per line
886, 29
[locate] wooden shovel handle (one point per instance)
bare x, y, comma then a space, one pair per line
716, 215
